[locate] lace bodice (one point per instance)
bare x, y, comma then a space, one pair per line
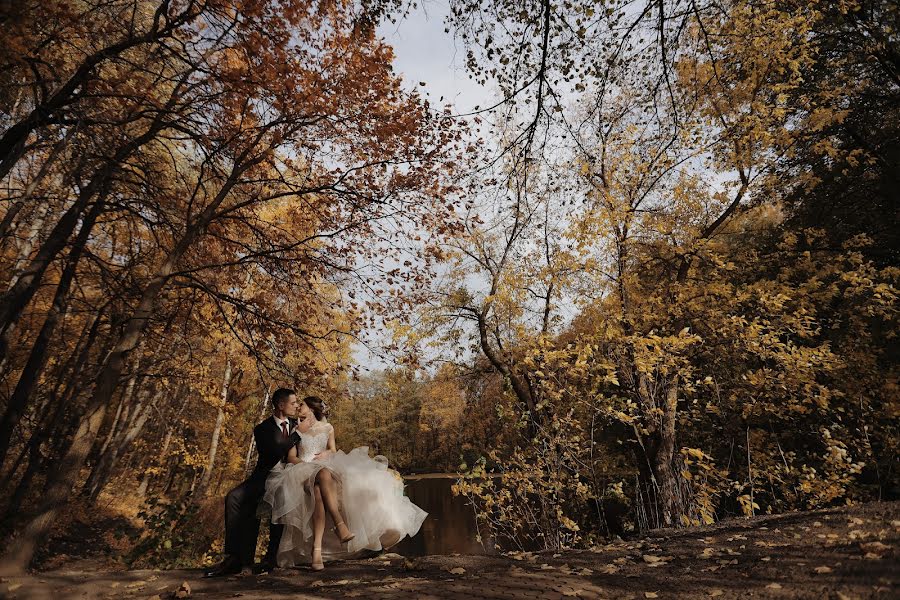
315, 440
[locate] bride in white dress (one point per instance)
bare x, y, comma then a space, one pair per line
319, 485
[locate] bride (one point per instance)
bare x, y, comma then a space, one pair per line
319, 485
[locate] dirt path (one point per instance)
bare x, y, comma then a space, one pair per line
846, 553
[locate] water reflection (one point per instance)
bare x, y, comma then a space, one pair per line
450, 526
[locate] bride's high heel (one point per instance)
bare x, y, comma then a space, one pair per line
344, 538
317, 565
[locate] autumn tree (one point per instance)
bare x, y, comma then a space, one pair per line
681, 148
228, 181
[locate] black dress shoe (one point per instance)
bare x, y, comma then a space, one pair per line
261, 568
229, 566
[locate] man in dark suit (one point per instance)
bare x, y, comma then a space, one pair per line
274, 438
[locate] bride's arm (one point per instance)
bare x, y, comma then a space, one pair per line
330, 448
332, 445
292, 456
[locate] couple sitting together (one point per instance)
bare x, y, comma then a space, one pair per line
321, 502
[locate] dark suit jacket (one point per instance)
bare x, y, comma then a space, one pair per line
272, 447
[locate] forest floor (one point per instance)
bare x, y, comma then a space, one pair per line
842, 553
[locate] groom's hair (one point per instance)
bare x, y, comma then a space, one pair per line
280, 395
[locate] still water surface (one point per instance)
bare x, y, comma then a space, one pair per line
450, 525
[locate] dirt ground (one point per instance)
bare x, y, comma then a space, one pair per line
844, 553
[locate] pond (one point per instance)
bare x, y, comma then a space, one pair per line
450, 525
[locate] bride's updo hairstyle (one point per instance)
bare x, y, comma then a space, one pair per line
316, 405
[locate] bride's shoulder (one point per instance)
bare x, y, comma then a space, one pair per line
323, 426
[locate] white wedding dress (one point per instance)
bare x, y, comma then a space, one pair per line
371, 498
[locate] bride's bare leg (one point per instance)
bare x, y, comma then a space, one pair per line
328, 485
318, 531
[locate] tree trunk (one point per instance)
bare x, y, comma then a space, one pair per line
61, 481
73, 365
6, 225
27, 246
181, 399
214, 443
124, 409
14, 301
39, 354
103, 470
62, 476
519, 384
262, 413
665, 455
118, 416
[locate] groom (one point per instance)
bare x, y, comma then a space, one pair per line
274, 438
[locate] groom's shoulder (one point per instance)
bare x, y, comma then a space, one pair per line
264, 424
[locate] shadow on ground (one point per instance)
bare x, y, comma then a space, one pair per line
843, 554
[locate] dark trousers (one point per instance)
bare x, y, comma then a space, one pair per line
242, 524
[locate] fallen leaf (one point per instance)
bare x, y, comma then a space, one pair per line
457, 571
184, 590
715, 592
655, 560
875, 548
650, 595
567, 591
822, 569
609, 569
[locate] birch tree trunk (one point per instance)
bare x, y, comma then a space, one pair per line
262, 413
107, 462
171, 427
217, 430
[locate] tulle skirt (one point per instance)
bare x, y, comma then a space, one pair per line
371, 500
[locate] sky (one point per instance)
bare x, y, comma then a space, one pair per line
424, 52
